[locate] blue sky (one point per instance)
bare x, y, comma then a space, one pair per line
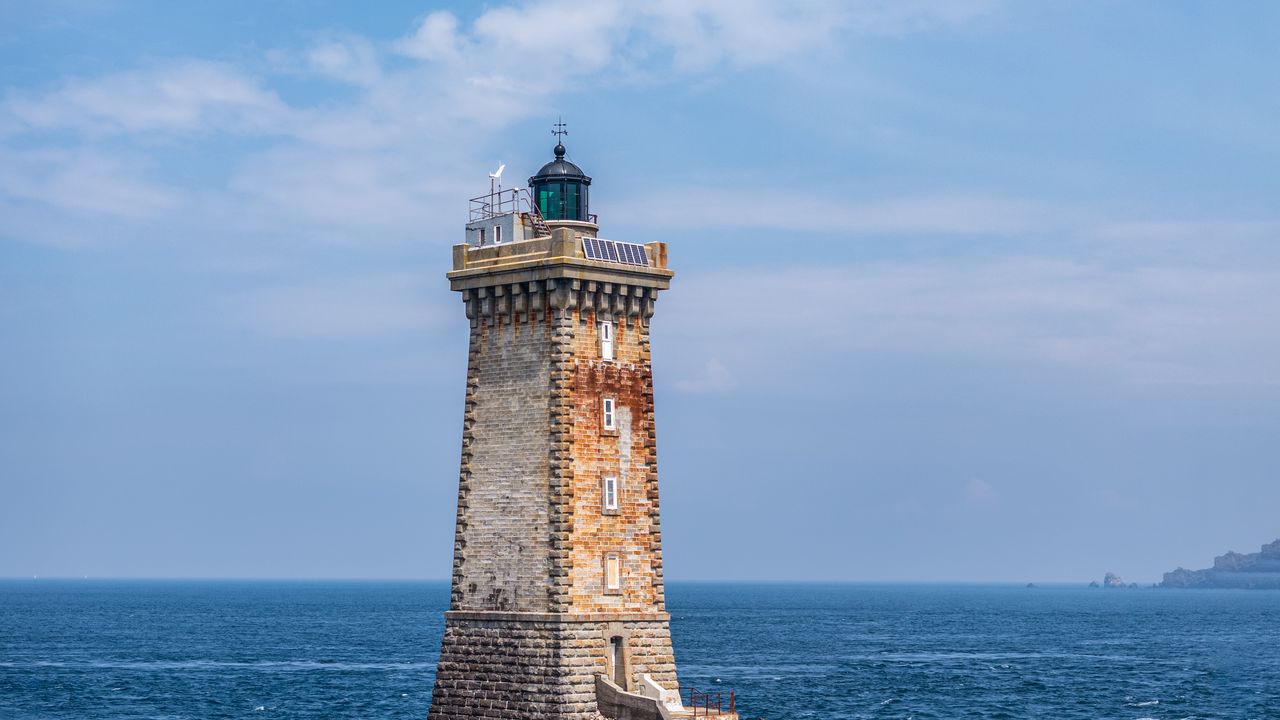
975, 290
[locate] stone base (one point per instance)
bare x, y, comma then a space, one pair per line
525, 665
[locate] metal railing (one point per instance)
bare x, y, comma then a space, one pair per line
709, 703
508, 202
501, 202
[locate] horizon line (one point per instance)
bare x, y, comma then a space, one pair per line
717, 581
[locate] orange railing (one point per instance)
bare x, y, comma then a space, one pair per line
706, 704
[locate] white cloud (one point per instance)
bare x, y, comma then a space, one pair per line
84, 181
714, 377
364, 196
742, 33
435, 39
181, 96
698, 33
906, 16
388, 157
701, 34
339, 308
1145, 231
353, 60
980, 491
1149, 324
939, 213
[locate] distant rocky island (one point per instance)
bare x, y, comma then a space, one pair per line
1260, 570
1112, 580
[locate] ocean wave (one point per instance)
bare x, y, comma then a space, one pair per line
263, 665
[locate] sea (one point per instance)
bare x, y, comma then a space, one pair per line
87, 649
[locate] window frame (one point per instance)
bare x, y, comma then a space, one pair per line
605, 330
613, 560
610, 494
608, 414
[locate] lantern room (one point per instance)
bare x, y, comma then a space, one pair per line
560, 190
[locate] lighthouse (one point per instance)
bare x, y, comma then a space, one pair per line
557, 607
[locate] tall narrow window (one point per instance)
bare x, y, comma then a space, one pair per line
612, 573
497, 234
606, 340
481, 237
610, 493
607, 420
619, 661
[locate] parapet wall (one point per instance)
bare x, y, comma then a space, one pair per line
557, 256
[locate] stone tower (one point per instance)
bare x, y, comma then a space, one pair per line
557, 606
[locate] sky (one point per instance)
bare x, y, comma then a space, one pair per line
965, 291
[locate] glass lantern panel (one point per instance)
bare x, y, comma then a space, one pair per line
572, 210
549, 201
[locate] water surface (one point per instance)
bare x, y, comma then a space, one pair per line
218, 649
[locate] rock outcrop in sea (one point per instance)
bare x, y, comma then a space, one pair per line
1111, 580
1260, 570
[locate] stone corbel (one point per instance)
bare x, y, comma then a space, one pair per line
620, 301
604, 301
635, 301
571, 293
503, 304
471, 304
518, 301
559, 294
536, 299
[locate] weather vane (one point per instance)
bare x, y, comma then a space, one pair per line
559, 129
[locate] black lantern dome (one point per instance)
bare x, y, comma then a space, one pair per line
560, 189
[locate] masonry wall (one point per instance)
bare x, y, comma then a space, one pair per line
530, 621
532, 533
627, 452
502, 558
501, 667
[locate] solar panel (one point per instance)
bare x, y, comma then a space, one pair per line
613, 251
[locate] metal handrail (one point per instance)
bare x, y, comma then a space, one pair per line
501, 202
509, 202
704, 701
